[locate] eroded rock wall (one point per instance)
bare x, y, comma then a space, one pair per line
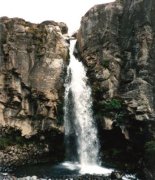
33, 59
116, 43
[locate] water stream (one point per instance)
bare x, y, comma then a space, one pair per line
80, 130
82, 146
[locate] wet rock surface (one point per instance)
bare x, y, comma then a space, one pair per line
33, 60
116, 43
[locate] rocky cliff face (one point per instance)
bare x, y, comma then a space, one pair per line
33, 59
116, 42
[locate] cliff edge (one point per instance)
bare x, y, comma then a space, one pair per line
116, 42
33, 60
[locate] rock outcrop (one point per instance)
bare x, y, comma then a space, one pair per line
116, 42
33, 60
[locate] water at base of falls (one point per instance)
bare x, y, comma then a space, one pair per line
63, 171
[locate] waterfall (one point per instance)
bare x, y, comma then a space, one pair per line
80, 131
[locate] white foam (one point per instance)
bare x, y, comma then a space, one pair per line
71, 165
129, 177
95, 169
87, 169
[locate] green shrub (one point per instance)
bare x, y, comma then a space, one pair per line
116, 152
113, 104
150, 152
150, 148
121, 1
106, 63
19, 140
120, 117
4, 142
10, 141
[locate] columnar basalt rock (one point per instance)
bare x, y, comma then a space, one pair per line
33, 60
116, 42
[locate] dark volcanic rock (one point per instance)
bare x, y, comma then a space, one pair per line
63, 177
33, 59
116, 42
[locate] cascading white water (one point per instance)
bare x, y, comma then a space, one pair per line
80, 130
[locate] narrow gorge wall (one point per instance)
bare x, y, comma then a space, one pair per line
116, 42
33, 60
